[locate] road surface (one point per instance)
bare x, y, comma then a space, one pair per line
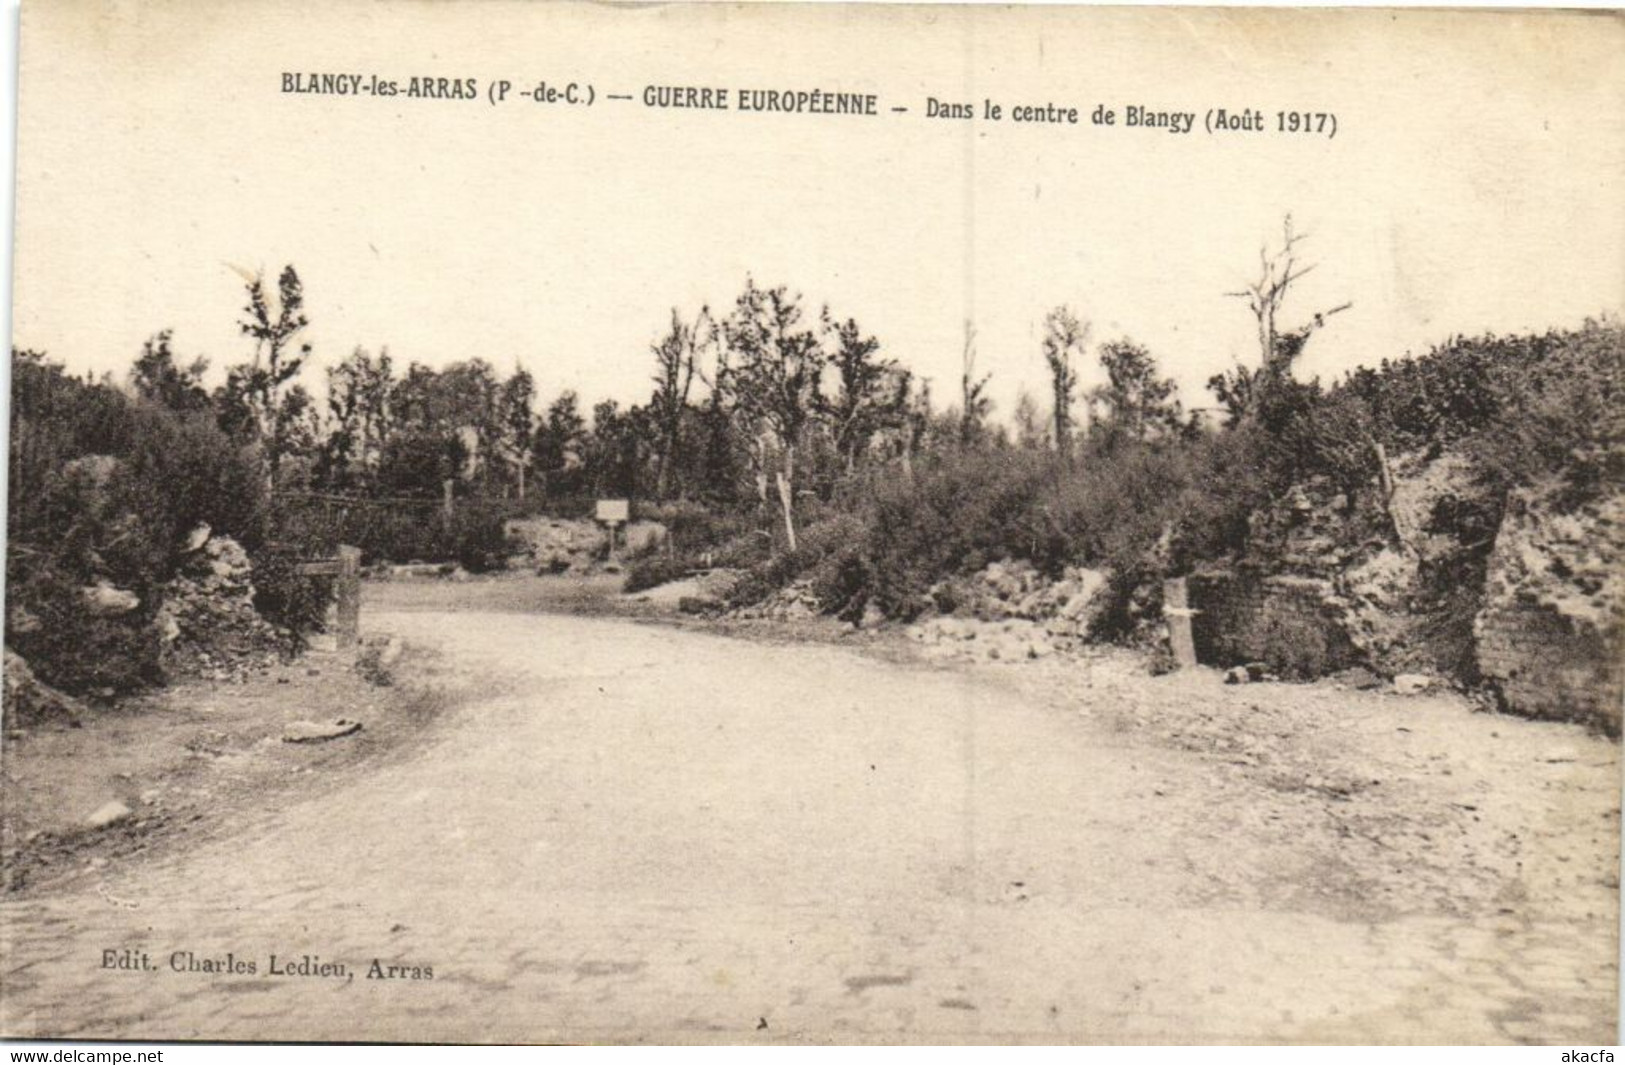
642, 833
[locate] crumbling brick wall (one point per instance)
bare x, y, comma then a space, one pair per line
1551, 634
1543, 664
1292, 624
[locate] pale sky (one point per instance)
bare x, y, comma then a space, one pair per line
1474, 182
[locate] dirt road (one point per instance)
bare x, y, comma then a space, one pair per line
642, 833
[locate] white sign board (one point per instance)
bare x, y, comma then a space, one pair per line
613, 511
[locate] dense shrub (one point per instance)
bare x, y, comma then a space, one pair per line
1525, 408
652, 570
693, 528
285, 597
1562, 418
701, 537
968, 508
395, 531
105, 486
67, 645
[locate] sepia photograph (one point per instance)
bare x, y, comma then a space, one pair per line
730, 523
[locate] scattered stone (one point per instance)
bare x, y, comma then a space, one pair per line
1412, 683
556, 546
1359, 678
104, 600
312, 732
29, 701
699, 605
206, 621
1238, 675
794, 602
110, 813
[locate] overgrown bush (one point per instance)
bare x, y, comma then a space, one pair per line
397, 531
65, 643
653, 570
285, 597
1563, 418
106, 487
699, 537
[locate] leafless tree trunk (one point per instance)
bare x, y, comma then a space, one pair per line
1278, 272
974, 404
786, 478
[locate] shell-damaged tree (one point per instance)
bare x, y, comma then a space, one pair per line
1239, 390
262, 386
775, 374
871, 393
974, 404
1065, 337
677, 360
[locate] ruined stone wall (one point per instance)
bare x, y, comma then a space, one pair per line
1551, 634
1292, 624
1544, 665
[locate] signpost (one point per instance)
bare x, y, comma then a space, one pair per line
345, 617
613, 512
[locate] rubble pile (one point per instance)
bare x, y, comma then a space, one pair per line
207, 625
1010, 612
28, 701
558, 545
794, 602
1016, 589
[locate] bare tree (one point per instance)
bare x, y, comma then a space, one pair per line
775, 379
1278, 271
676, 365
263, 385
975, 406
915, 429
1065, 337
867, 397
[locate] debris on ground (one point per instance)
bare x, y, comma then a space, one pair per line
376, 659
559, 545
30, 702
313, 732
110, 813
207, 623
1010, 612
103, 600
796, 601
1412, 683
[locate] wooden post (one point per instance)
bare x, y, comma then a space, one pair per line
348, 593
1386, 473
446, 503
1176, 609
